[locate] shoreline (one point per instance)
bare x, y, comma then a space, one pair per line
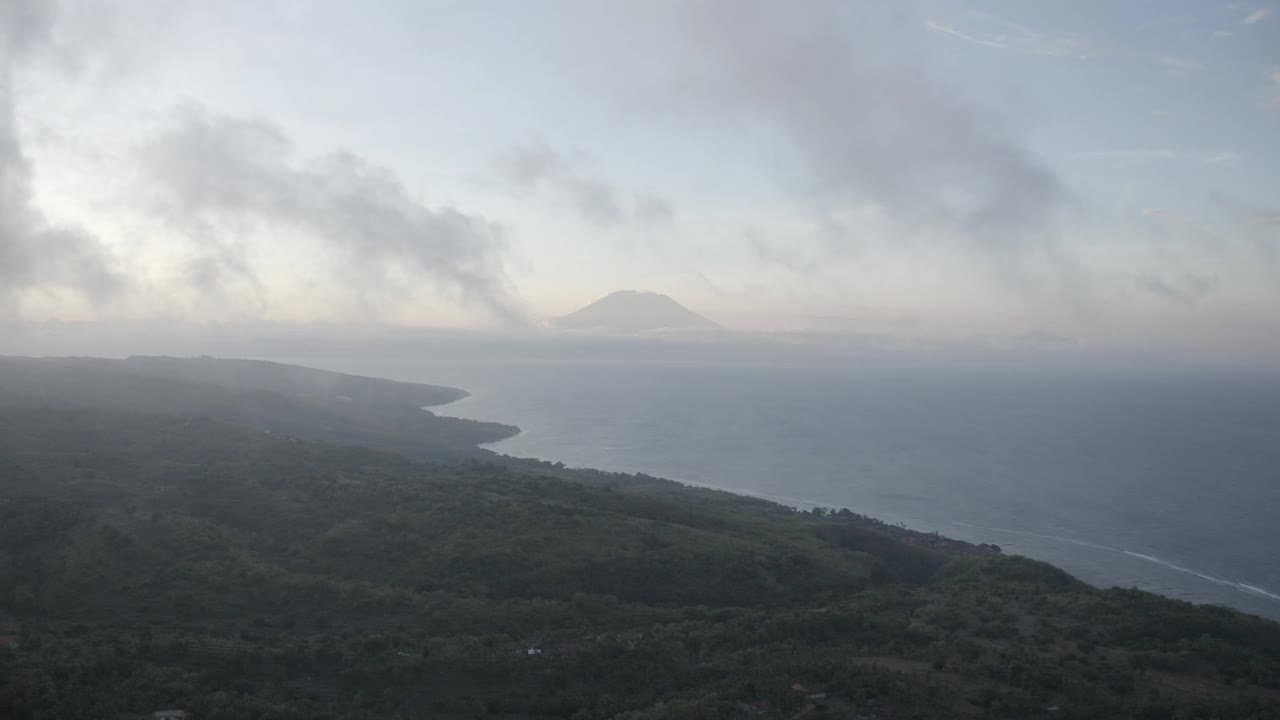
515, 429
912, 525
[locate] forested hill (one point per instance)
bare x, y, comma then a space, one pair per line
227, 537
286, 399
292, 380
155, 561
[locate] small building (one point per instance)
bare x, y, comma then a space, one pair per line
171, 715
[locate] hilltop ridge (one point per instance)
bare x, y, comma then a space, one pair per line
304, 402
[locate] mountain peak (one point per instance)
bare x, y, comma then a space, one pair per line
634, 311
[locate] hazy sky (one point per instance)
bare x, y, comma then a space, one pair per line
1104, 171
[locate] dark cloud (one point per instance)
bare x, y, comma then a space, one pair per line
35, 253
537, 166
217, 174
871, 125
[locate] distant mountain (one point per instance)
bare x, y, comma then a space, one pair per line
634, 311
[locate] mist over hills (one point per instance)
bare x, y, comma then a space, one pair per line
634, 311
283, 399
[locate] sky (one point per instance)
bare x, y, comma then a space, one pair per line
1096, 172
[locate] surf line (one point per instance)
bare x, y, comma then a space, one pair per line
1226, 582
1242, 587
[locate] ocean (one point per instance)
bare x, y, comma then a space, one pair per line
1166, 481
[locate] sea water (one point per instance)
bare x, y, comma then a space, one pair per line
1165, 481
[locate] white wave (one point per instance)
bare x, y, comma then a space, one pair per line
1225, 582
1258, 591
1242, 587
1179, 568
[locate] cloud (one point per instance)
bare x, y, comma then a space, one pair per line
537, 166
1274, 88
34, 252
1161, 154
26, 26
218, 175
1254, 225
708, 283
1181, 63
1185, 289
530, 164
772, 256
595, 200
1002, 34
1021, 39
653, 210
1257, 16
871, 128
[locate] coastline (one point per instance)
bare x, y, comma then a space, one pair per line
924, 532
515, 430
249, 571
901, 531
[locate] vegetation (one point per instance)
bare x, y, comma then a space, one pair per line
286, 399
150, 561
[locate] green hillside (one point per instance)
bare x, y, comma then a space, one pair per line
285, 399
157, 560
